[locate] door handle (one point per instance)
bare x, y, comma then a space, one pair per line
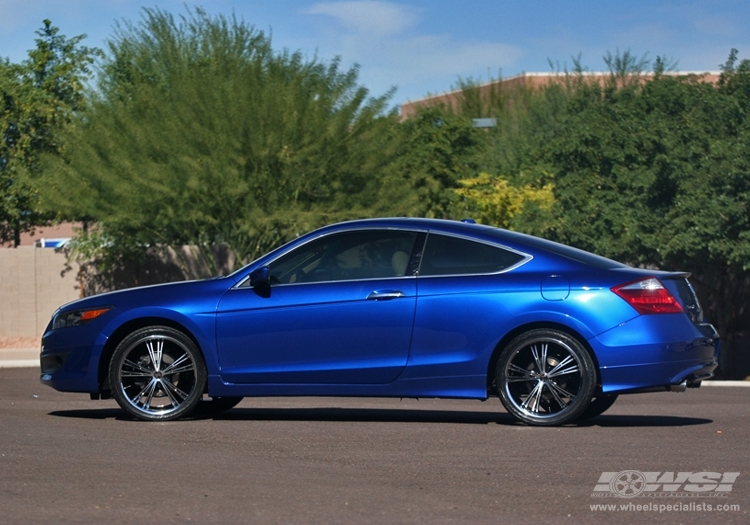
379, 295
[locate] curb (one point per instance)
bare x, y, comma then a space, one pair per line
20, 363
725, 383
19, 357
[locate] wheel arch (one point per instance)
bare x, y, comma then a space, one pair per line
128, 328
509, 336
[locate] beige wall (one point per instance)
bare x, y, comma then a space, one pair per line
33, 283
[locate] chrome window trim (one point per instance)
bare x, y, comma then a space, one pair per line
526, 257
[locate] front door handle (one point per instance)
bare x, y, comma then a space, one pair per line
380, 295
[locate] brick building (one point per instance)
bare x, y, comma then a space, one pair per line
524, 80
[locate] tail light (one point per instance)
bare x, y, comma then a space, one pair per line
648, 297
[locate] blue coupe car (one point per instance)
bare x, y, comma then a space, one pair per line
391, 308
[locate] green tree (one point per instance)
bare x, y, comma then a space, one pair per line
652, 170
656, 173
38, 99
493, 200
433, 151
200, 134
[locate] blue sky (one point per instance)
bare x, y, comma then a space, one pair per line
424, 46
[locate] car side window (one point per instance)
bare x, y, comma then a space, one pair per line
446, 255
368, 254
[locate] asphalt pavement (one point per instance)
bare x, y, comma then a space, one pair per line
67, 459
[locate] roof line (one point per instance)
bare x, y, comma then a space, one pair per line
555, 74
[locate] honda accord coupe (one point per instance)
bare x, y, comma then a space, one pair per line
391, 308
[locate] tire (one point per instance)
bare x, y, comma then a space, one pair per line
598, 406
157, 373
215, 405
545, 378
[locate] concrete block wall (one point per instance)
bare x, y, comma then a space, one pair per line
34, 282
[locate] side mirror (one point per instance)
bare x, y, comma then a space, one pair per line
260, 281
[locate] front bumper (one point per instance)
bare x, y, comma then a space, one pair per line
69, 359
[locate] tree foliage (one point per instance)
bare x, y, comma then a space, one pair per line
493, 200
650, 169
430, 154
38, 99
201, 134
657, 173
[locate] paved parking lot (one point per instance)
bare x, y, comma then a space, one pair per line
66, 459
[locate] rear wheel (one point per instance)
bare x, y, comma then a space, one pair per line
545, 377
157, 374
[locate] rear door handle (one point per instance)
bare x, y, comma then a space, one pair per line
379, 295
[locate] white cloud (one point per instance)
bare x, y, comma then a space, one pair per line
370, 17
436, 56
384, 38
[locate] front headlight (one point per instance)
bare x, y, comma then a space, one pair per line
78, 317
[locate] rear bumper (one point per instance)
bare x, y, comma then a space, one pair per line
653, 351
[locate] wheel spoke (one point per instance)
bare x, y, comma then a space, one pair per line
175, 367
559, 370
532, 401
155, 354
555, 388
150, 386
150, 397
171, 389
187, 368
170, 394
137, 370
552, 387
128, 373
541, 362
526, 375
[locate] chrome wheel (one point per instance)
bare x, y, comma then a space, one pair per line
545, 377
157, 374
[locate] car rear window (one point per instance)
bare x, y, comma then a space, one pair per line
446, 255
591, 259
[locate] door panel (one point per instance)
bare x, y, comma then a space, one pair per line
327, 332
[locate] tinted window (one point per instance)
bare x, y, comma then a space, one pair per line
581, 256
446, 255
369, 254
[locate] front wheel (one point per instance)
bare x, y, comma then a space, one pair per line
157, 374
545, 377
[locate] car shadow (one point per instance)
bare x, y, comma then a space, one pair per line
608, 420
381, 415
